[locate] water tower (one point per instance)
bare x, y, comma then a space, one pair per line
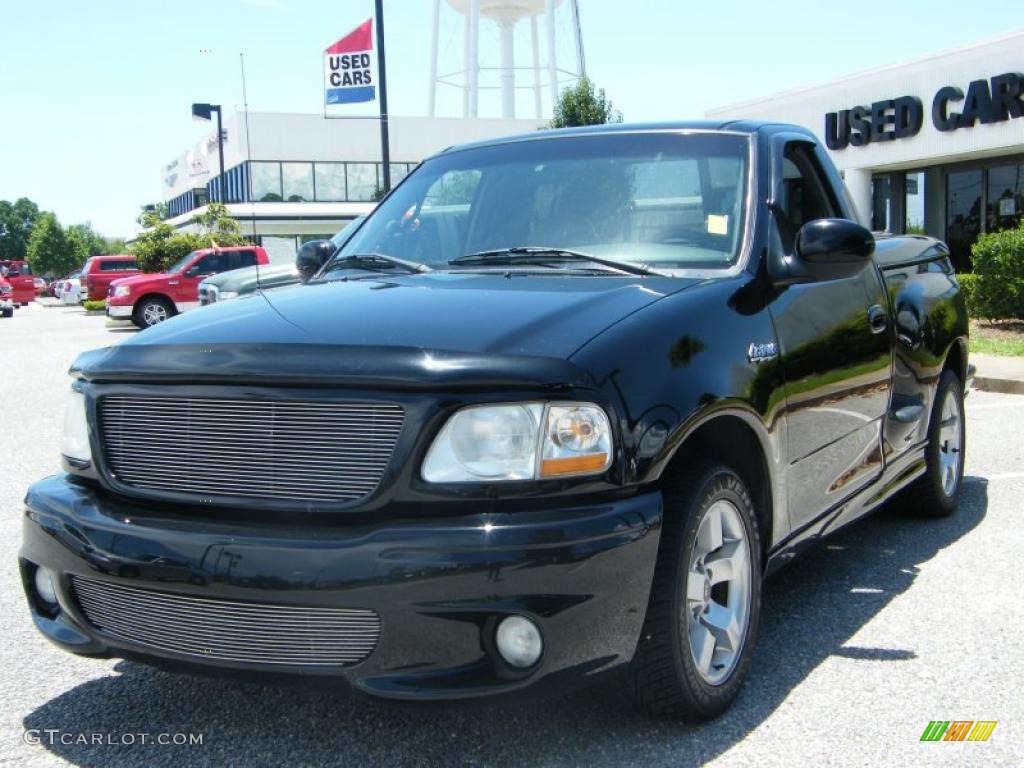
560, 20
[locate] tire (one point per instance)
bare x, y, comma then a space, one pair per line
151, 311
8, 313
936, 493
664, 676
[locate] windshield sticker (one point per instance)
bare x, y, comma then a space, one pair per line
718, 225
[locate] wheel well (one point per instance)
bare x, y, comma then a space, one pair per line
729, 440
955, 360
164, 299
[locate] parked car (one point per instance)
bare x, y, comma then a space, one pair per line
61, 283
41, 286
555, 410
100, 271
149, 299
239, 282
6, 298
19, 275
71, 290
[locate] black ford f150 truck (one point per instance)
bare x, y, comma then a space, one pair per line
555, 409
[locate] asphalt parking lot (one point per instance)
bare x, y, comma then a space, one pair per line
895, 622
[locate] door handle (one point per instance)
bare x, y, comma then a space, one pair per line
878, 319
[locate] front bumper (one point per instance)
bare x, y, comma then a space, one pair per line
581, 573
116, 312
6, 304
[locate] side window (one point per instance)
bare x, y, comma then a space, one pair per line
211, 264
241, 259
26, 268
805, 195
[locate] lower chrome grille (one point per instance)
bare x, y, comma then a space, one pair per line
208, 628
282, 450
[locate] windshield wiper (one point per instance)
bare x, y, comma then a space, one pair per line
373, 262
539, 253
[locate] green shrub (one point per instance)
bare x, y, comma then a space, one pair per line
94, 305
968, 287
997, 292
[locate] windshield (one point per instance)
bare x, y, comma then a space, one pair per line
180, 263
664, 199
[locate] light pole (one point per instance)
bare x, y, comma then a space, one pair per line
203, 112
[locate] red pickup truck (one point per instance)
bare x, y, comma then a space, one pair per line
100, 271
148, 299
23, 285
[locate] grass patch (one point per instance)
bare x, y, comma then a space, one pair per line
1004, 347
1005, 337
97, 305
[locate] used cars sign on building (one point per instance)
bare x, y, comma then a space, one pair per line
990, 101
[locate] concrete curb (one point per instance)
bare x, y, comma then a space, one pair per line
1005, 386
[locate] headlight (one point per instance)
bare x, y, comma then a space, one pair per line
75, 443
123, 290
227, 295
527, 441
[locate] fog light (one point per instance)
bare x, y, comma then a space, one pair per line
519, 642
44, 586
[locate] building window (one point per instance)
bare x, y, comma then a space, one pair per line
913, 203
298, 181
330, 182
1005, 198
963, 215
266, 182
398, 172
362, 181
881, 197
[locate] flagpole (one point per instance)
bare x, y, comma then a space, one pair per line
382, 76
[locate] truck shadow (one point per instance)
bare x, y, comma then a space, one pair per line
811, 609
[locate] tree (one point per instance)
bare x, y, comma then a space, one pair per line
92, 242
160, 245
16, 222
49, 251
582, 105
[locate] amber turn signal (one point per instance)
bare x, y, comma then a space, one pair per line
571, 465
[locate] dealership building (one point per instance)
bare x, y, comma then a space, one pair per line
303, 177
934, 145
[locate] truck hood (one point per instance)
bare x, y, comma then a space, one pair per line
236, 278
409, 330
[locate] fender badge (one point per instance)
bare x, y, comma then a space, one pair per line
758, 353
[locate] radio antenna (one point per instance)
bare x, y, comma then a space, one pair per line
248, 168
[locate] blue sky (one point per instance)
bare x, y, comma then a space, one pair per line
94, 96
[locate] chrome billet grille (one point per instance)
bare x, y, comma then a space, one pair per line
288, 451
209, 628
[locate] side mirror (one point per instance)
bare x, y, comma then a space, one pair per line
311, 256
192, 272
825, 249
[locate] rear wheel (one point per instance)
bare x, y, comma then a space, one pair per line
9, 312
936, 493
704, 609
151, 311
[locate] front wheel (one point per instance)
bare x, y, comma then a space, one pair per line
703, 614
151, 311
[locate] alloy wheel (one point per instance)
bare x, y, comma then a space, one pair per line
154, 313
718, 592
950, 443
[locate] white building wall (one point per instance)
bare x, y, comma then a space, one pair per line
287, 136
